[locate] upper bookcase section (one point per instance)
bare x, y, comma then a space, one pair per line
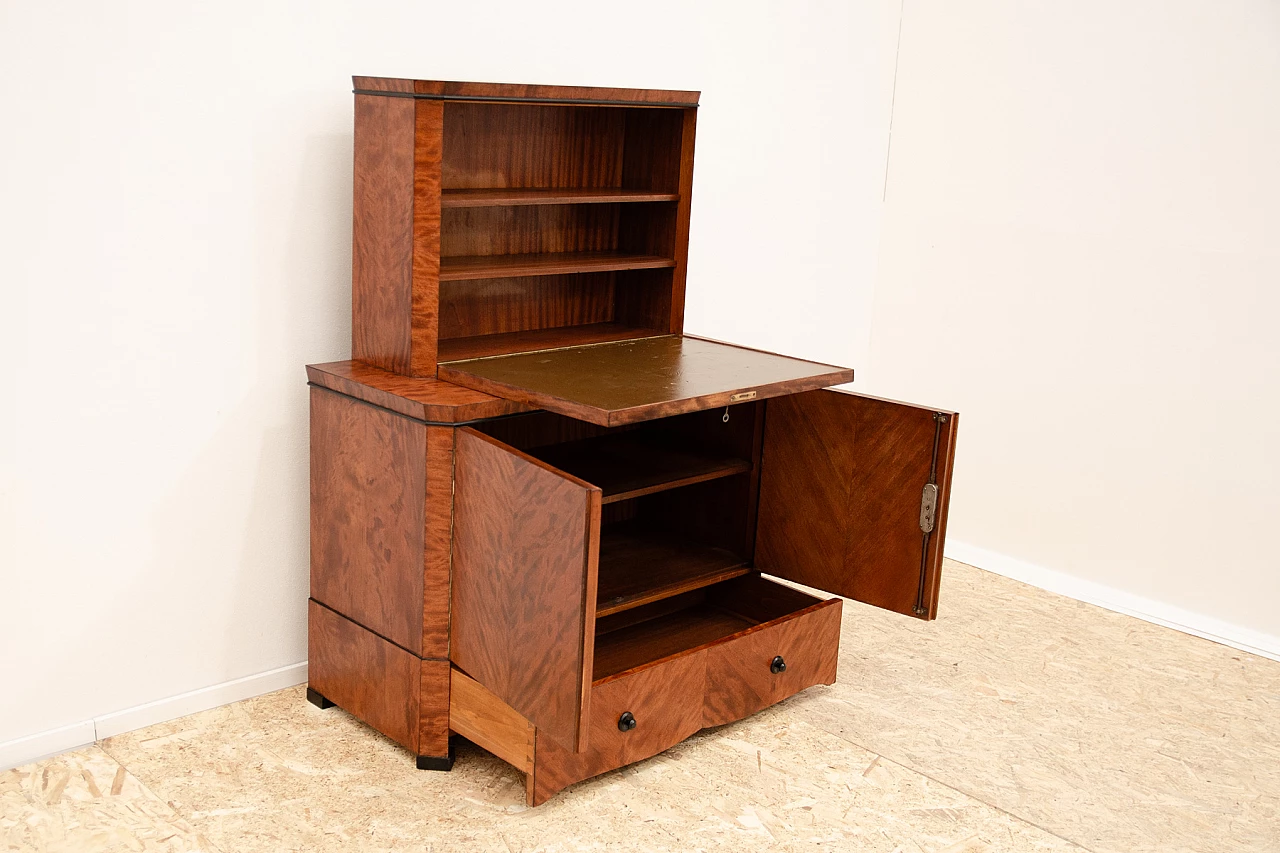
493, 219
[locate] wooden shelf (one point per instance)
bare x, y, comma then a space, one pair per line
625, 467
640, 565
483, 346
517, 197
556, 263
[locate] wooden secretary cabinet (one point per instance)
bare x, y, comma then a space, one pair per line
542, 516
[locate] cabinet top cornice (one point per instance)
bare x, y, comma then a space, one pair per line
518, 92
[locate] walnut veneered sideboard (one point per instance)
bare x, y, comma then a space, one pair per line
542, 516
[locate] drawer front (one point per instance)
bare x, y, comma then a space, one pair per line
665, 701
741, 676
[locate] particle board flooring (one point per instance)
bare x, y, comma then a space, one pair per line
1018, 721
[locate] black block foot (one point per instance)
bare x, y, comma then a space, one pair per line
316, 699
435, 762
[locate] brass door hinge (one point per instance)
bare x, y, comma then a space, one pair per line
928, 506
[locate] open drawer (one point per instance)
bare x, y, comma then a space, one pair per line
701, 659
579, 553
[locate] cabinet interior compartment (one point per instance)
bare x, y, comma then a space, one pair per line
678, 495
558, 225
704, 616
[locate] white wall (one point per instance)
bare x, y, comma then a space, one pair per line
175, 226
1081, 253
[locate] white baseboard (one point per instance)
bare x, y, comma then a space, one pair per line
1110, 598
24, 750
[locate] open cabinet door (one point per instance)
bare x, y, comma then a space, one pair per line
526, 547
853, 497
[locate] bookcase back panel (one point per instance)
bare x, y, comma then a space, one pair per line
532, 145
522, 230
498, 305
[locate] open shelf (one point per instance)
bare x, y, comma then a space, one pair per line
483, 346
626, 467
553, 263
517, 197
640, 565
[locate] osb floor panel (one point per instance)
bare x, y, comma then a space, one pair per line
1019, 720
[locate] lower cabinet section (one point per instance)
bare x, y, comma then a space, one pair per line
662, 675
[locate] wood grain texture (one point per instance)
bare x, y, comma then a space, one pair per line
437, 538
383, 84
523, 91
525, 553
636, 380
485, 720
739, 679
639, 565
840, 486
467, 267
546, 195
424, 399
514, 230
671, 634
434, 701
484, 346
382, 254
518, 146
666, 700
368, 493
643, 298
365, 675
500, 306
427, 156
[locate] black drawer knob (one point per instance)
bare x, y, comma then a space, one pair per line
626, 722
778, 665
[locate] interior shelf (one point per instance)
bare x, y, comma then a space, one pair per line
555, 263
635, 645
516, 197
482, 346
625, 467
639, 565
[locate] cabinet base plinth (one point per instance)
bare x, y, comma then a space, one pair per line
314, 697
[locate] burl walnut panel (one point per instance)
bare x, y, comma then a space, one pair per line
368, 515
666, 701
426, 399
365, 675
840, 487
740, 681
382, 301
525, 554
402, 696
